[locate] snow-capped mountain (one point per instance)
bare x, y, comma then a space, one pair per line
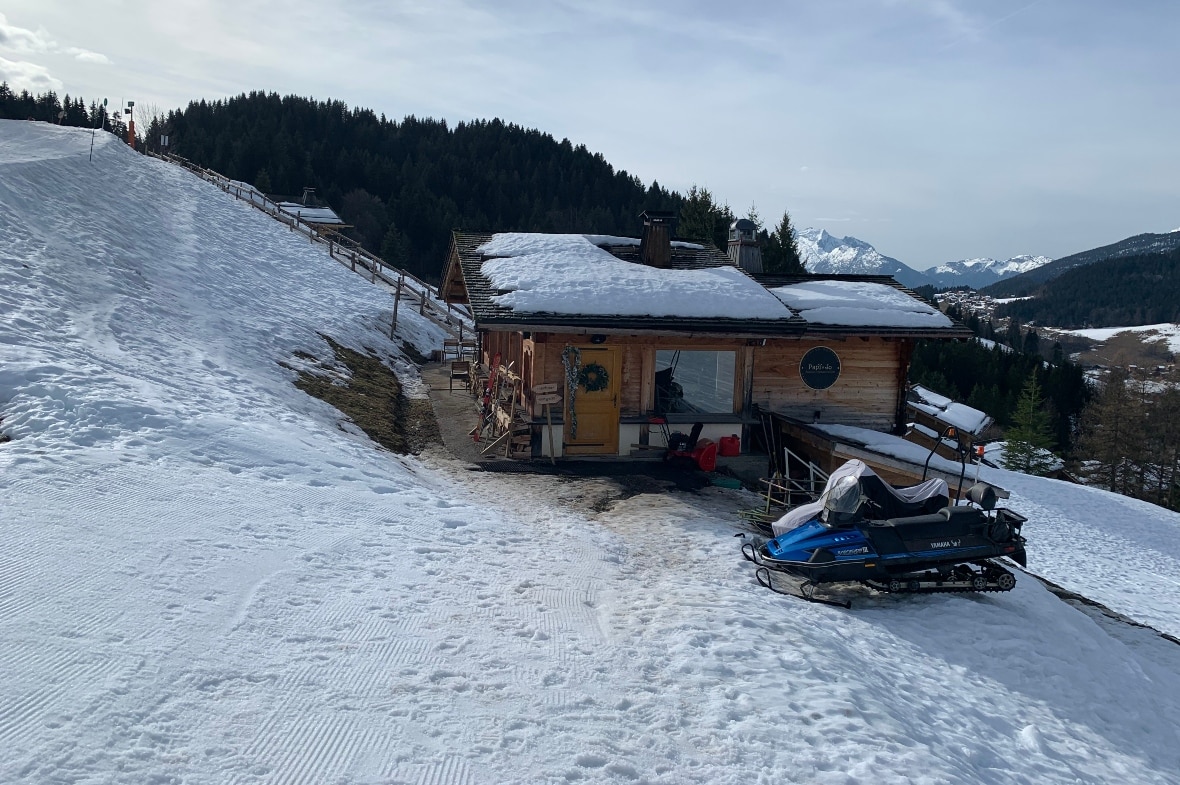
978, 273
825, 253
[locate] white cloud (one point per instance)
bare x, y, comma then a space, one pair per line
22, 39
86, 56
27, 76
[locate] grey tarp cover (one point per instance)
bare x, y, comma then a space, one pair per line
884, 500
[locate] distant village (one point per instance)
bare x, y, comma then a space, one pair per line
1142, 356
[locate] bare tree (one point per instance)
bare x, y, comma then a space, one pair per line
151, 119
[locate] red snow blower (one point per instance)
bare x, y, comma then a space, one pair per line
688, 450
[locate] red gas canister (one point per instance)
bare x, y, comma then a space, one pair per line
730, 445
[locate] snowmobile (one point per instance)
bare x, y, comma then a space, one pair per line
863, 530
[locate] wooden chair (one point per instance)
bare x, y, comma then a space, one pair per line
467, 350
450, 349
460, 369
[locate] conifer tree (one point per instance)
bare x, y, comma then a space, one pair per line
1110, 424
1165, 430
1014, 337
1028, 443
703, 219
781, 254
394, 248
697, 215
752, 215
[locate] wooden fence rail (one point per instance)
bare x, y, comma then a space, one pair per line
455, 320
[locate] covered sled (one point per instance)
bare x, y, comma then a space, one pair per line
891, 539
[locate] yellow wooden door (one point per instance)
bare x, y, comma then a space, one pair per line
597, 411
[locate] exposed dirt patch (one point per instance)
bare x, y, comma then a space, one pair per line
409, 351
1129, 349
1123, 350
370, 395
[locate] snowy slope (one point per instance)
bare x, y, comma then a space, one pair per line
206, 579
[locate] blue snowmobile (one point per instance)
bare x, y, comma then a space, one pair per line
863, 530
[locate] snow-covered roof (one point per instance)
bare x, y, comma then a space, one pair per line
532, 278
568, 274
859, 304
312, 215
950, 412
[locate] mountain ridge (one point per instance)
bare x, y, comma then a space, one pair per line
823, 252
1028, 283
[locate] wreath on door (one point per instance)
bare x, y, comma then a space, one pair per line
593, 377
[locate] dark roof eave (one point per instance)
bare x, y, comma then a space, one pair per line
737, 328
653, 326
948, 333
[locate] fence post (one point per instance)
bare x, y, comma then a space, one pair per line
353, 256
397, 296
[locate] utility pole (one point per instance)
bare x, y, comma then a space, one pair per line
102, 111
131, 124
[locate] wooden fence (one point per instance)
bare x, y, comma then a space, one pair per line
456, 320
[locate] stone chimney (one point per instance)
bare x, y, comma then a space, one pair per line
655, 248
743, 245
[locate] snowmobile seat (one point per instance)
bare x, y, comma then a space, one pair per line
931, 519
961, 515
955, 517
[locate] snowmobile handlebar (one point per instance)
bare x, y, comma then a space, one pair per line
949, 432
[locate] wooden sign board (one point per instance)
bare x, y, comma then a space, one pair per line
549, 398
550, 387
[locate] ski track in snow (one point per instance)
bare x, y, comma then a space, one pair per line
206, 580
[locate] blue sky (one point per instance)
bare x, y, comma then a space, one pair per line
933, 129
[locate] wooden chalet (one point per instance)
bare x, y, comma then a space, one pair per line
632, 331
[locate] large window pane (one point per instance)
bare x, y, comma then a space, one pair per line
694, 382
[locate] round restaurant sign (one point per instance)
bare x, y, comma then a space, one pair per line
819, 368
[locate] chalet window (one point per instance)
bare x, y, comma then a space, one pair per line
697, 382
